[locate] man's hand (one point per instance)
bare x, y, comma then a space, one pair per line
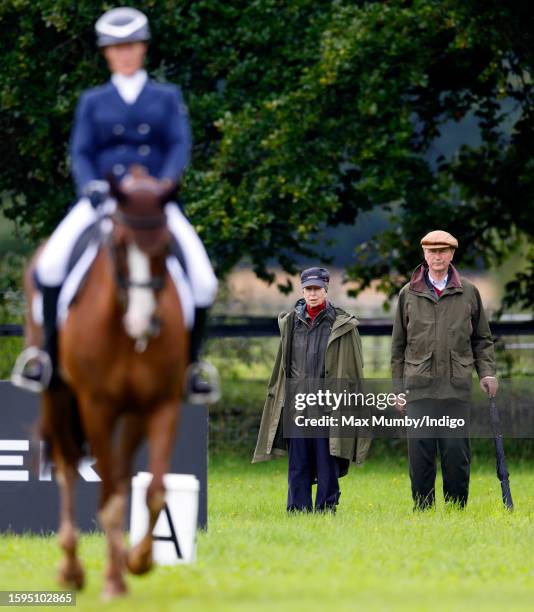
490, 385
400, 404
97, 192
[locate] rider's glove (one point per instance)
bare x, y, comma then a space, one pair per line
97, 192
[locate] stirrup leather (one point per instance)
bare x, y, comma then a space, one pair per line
20, 378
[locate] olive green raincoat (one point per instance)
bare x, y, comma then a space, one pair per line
438, 341
343, 361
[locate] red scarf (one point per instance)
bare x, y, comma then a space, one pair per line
313, 311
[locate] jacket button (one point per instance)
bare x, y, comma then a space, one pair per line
118, 169
144, 150
143, 128
118, 129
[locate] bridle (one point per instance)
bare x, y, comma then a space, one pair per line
123, 282
130, 241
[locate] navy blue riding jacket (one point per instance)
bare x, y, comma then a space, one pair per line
109, 135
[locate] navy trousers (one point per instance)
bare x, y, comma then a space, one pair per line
310, 459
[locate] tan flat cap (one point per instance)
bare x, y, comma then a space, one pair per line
438, 239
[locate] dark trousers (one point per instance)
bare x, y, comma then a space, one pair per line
455, 457
310, 459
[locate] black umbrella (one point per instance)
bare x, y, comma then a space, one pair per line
502, 468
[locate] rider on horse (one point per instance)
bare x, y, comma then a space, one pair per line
130, 120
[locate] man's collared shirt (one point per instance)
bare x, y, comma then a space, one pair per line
440, 285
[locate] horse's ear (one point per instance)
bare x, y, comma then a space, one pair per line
169, 190
114, 187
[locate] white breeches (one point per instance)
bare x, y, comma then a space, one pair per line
52, 263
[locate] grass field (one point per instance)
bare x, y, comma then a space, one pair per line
375, 554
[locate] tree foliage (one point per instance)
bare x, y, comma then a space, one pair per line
305, 114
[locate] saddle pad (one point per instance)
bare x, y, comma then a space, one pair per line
79, 271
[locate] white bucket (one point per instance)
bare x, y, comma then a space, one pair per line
175, 531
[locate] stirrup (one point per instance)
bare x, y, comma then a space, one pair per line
208, 373
21, 379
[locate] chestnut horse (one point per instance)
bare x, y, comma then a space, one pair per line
122, 359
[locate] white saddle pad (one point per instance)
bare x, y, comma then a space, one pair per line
77, 274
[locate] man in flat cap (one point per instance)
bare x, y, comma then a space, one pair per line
317, 340
129, 121
440, 334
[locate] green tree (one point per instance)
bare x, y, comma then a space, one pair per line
305, 114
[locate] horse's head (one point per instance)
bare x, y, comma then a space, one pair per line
140, 242
140, 217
